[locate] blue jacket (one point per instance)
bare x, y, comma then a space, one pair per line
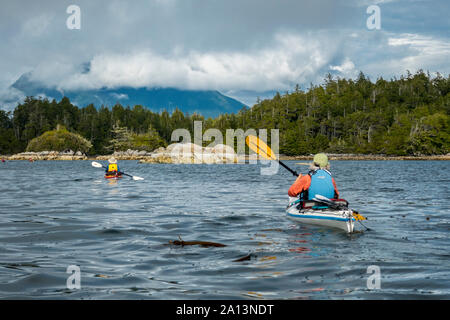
321, 183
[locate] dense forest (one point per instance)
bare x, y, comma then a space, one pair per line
405, 116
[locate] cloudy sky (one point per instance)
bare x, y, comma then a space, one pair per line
243, 48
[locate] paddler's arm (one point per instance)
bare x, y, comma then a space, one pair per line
336, 192
301, 184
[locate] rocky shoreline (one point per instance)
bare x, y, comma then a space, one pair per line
47, 155
175, 153
369, 157
190, 153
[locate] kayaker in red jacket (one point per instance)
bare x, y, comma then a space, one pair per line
317, 181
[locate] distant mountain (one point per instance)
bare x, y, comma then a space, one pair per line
209, 103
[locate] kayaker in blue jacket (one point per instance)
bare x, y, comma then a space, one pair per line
317, 181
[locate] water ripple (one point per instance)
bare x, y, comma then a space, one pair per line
119, 233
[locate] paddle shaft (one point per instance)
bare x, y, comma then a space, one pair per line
269, 155
125, 174
289, 169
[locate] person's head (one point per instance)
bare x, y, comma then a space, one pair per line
320, 161
112, 160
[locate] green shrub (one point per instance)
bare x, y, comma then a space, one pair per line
59, 140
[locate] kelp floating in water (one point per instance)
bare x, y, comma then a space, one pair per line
205, 244
245, 258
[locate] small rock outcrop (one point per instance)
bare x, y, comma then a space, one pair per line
192, 153
49, 155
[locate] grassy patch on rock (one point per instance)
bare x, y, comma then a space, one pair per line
59, 140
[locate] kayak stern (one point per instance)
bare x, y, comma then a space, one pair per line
340, 219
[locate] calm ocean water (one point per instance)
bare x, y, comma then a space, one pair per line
54, 214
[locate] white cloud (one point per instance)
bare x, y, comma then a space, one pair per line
9, 98
120, 96
347, 68
424, 44
289, 59
424, 52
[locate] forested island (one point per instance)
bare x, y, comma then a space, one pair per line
406, 116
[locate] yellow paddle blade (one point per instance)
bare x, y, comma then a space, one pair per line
260, 147
303, 163
358, 217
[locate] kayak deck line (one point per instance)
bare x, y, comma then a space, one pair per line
300, 215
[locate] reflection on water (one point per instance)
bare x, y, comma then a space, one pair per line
118, 233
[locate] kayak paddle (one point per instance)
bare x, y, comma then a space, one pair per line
99, 165
262, 149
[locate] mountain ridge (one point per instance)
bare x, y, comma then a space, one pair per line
209, 103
